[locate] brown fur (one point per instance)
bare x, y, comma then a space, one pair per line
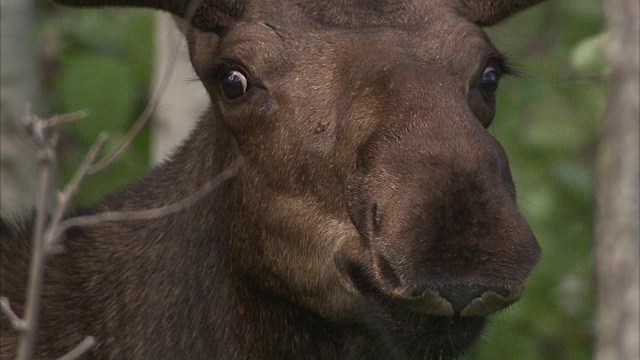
374, 216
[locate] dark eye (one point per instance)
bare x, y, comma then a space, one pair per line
490, 79
233, 84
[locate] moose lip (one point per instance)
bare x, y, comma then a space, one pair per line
428, 302
432, 303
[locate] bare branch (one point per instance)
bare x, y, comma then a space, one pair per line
81, 172
47, 157
209, 186
58, 120
46, 149
38, 129
16, 322
64, 197
144, 118
80, 349
47, 231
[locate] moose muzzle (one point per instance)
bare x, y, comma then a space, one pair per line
434, 203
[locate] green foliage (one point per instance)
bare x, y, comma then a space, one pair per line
79, 91
547, 121
106, 70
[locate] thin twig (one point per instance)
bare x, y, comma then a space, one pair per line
46, 233
16, 322
58, 120
46, 148
80, 349
47, 157
64, 197
39, 132
209, 186
144, 118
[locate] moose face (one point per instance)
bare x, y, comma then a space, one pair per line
371, 191
382, 196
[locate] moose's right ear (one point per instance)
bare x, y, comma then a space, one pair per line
207, 15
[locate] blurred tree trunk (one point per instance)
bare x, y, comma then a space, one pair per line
617, 230
183, 101
19, 84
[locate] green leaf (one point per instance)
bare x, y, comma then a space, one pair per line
139, 43
588, 56
105, 87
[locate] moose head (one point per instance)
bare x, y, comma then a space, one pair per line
374, 215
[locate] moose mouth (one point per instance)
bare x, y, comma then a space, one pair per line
424, 326
414, 335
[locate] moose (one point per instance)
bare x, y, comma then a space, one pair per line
373, 215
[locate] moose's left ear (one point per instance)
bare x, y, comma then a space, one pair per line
489, 12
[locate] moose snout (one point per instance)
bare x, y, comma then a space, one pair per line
462, 299
441, 235
467, 255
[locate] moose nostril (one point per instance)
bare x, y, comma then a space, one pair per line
375, 218
460, 296
503, 291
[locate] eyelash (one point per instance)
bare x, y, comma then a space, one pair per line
504, 64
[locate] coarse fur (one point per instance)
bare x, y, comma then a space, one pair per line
374, 216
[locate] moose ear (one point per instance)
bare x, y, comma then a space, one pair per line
489, 12
207, 15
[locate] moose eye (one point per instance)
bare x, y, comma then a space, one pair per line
490, 79
233, 84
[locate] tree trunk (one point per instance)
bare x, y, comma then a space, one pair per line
19, 85
617, 230
184, 99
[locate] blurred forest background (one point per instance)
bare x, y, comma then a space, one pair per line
548, 121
